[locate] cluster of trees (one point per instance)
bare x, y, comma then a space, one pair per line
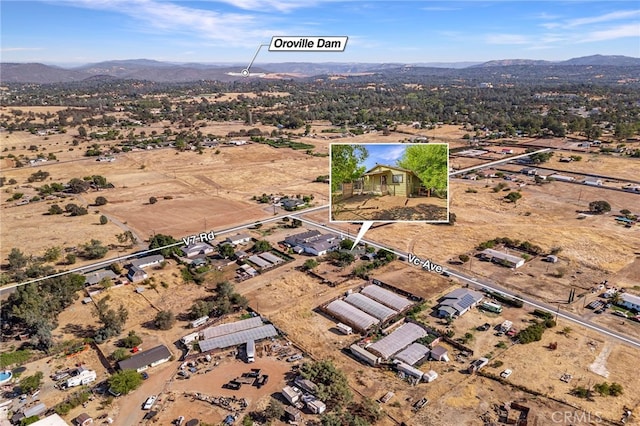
333, 388
161, 240
226, 300
525, 246
429, 163
534, 332
125, 381
34, 308
599, 207
112, 320
603, 389
382, 257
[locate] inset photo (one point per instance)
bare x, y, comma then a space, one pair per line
398, 182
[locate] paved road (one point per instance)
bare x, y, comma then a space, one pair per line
490, 285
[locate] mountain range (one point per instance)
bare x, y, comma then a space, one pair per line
145, 69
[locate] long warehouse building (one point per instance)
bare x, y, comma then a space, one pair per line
232, 327
386, 297
370, 306
238, 338
401, 338
351, 315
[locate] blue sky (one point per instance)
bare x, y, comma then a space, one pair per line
386, 154
83, 31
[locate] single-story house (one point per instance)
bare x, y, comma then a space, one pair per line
83, 420
197, 249
136, 274
95, 277
439, 353
291, 204
238, 239
364, 355
630, 301
52, 420
145, 262
143, 360
502, 258
391, 180
240, 254
313, 242
460, 300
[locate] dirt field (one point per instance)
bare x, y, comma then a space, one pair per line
390, 208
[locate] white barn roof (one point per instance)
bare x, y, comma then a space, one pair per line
398, 340
370, 306
262, 263
270, 257
238, 338
412, 353
386, 297
351, 315
232, 327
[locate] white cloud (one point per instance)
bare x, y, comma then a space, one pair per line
621, 31
607, 17
392, 154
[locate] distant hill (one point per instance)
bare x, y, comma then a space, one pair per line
168, 72
38, 73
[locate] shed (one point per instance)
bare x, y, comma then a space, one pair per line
316, 406
430, 376
503, 258
35, 410
143, 360
409, 370
293, 413
291, 394
270, 257
439, 353
364, 355
83, 420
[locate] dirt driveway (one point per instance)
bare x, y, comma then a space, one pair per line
387, 207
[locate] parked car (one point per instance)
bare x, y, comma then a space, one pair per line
484, 327
506, 373
620, 314
295, 357
179, 421
144, 375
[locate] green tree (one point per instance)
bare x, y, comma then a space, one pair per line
160, 240
226, 250
513, 196
275, 410
429, 163
77, 185
199, 309
55, 209
599, 207
164, 320
615, 389
82, 132
70, 258
100, 201
153, 200
346, 244
310, 264
125, 381
120, 354
52, 254
127, 236
345, 164
93, 250
261, 246
17, 259
103, 220
463, 258
333, 387
31, 383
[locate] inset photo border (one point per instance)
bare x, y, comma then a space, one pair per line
389, 182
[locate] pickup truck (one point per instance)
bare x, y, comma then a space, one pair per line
149, 402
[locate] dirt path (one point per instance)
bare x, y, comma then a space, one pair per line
599, 366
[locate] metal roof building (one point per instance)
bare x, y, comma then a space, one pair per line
386, 297
364, 355
146, 359
238, 338
398, 340
508, 259
459, 300
270, 257
370, 306
351, 315
262, 263
147, 261
412, 353
232, 327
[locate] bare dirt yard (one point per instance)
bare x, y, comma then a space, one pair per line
390, 208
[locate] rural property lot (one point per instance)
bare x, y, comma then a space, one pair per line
390, 208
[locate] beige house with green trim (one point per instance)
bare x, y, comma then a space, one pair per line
391, 180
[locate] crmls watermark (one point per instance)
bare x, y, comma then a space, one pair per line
575, 417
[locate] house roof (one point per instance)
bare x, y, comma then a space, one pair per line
97, 276
196, 248
450, 311
147, 260
460, 299
438, 351
503, 256
142, 359
239, 237
370, 171
630, 298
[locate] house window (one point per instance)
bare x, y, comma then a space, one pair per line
396, 178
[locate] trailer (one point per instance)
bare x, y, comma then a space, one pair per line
200, 321
251, 350
506, 326
345, 329
491, 307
